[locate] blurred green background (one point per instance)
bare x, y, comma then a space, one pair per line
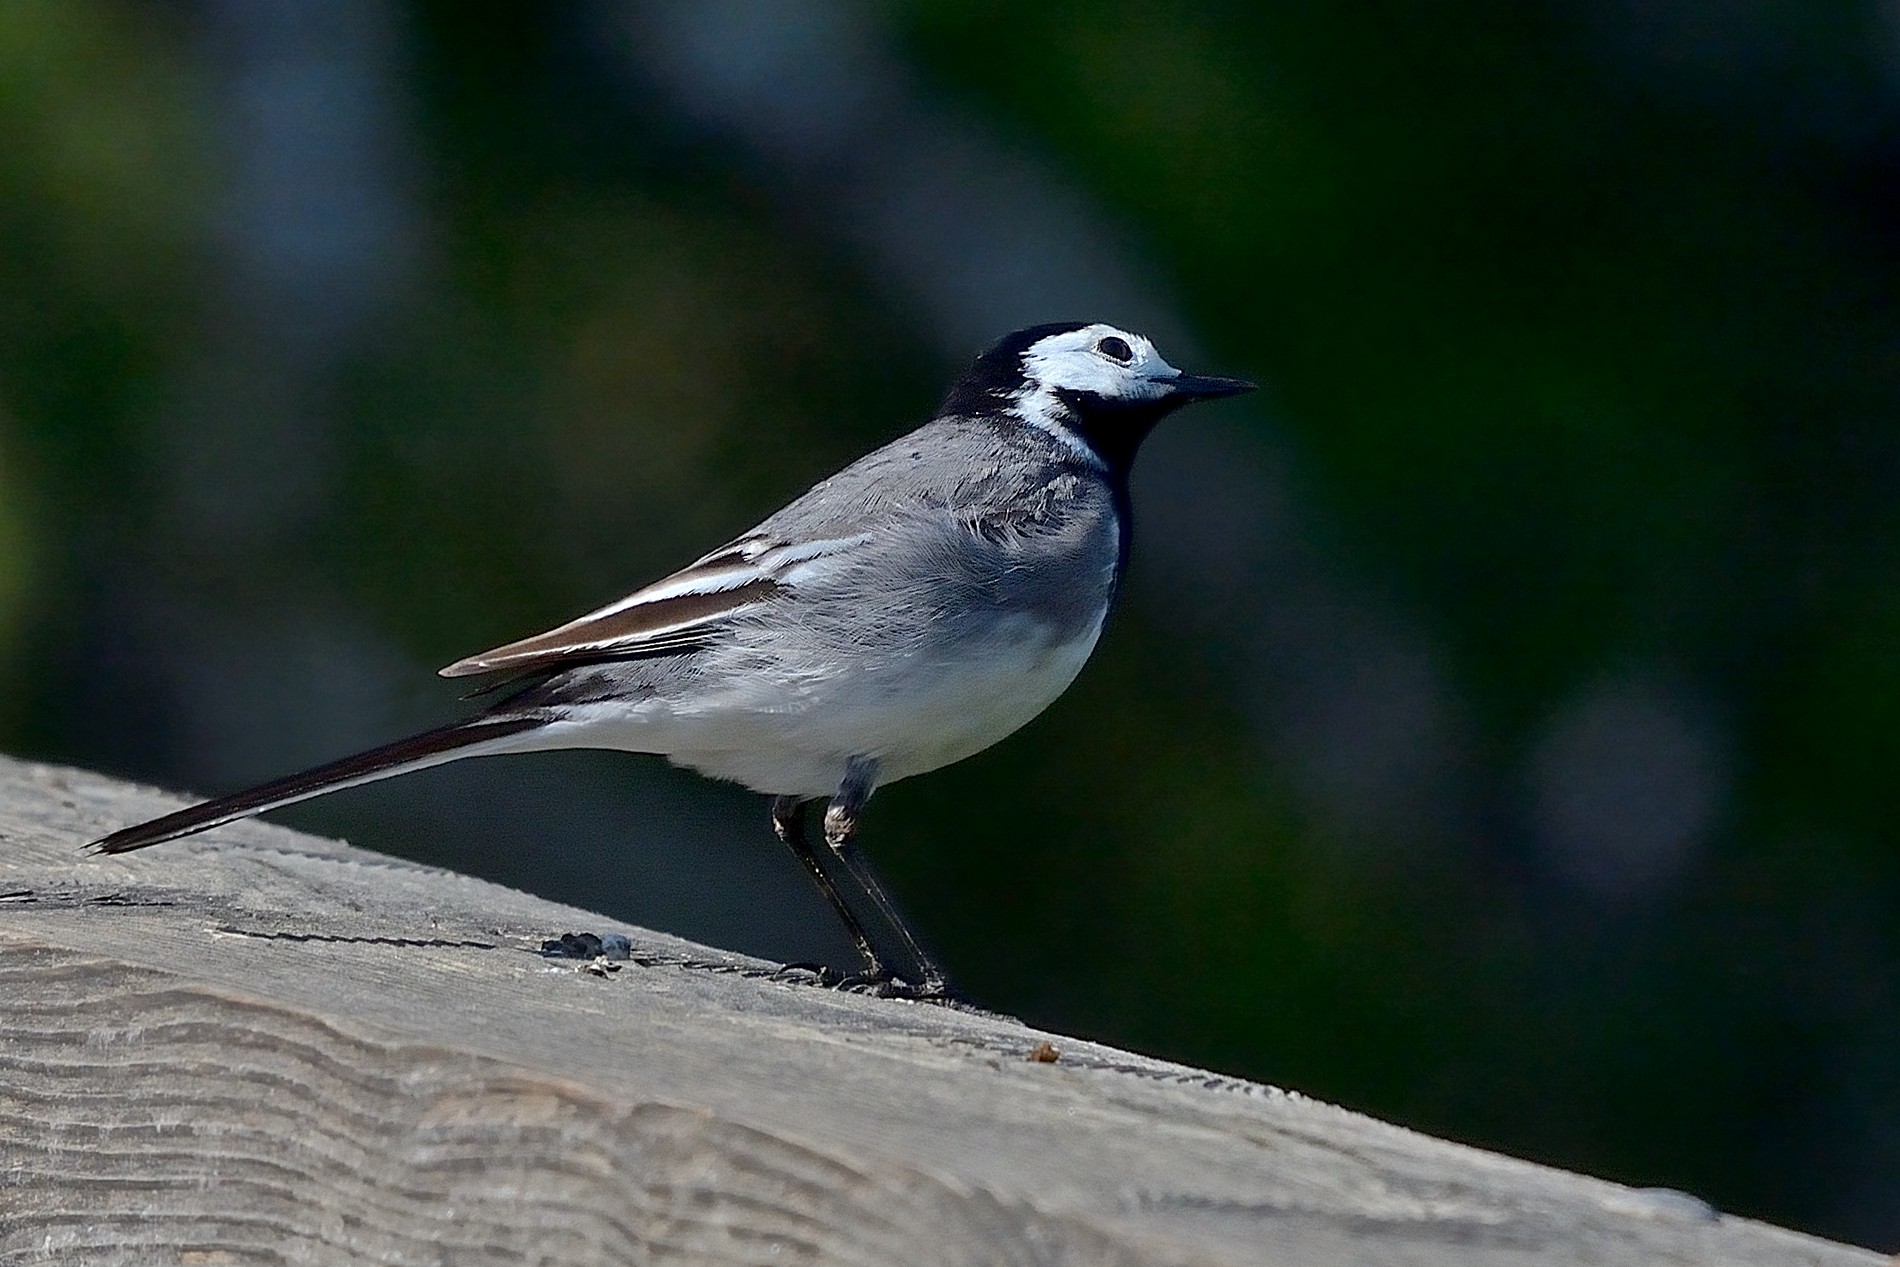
1499, 734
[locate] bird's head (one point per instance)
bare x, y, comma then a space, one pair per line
1104, 386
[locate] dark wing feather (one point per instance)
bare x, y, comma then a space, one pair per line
675, 613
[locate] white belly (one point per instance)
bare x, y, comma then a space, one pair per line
795, 738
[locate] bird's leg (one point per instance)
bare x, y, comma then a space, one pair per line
788, 822
841, 832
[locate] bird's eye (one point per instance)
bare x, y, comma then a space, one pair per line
1116, 349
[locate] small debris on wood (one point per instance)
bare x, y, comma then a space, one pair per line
613, 946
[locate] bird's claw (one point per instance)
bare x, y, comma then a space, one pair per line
828, 978
883, 984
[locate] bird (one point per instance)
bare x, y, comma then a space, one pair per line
909, 611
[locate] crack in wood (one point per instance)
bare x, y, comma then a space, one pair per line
356, 939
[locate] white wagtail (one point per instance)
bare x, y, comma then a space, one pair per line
908, 612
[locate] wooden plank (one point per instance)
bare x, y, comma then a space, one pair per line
258, 1046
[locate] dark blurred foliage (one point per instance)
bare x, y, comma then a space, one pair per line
1497, 736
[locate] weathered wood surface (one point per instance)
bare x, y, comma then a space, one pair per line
257, 1046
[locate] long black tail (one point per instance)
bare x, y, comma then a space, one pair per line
431, 747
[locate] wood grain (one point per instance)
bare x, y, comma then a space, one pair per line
257, 1046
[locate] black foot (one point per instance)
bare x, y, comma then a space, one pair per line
883, 985
828, 978
587, 946
879, 983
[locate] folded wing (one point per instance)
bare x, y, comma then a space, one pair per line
674, 614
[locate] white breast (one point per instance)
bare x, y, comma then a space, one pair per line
911, 717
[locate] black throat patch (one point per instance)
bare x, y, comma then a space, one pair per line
1114, 428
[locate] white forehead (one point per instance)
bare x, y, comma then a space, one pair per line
1072, 360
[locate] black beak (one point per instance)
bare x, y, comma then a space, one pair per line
1207, 387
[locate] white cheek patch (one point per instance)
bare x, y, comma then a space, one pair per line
1069, 362
1041, 410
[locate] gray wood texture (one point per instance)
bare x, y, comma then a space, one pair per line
258, 1046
